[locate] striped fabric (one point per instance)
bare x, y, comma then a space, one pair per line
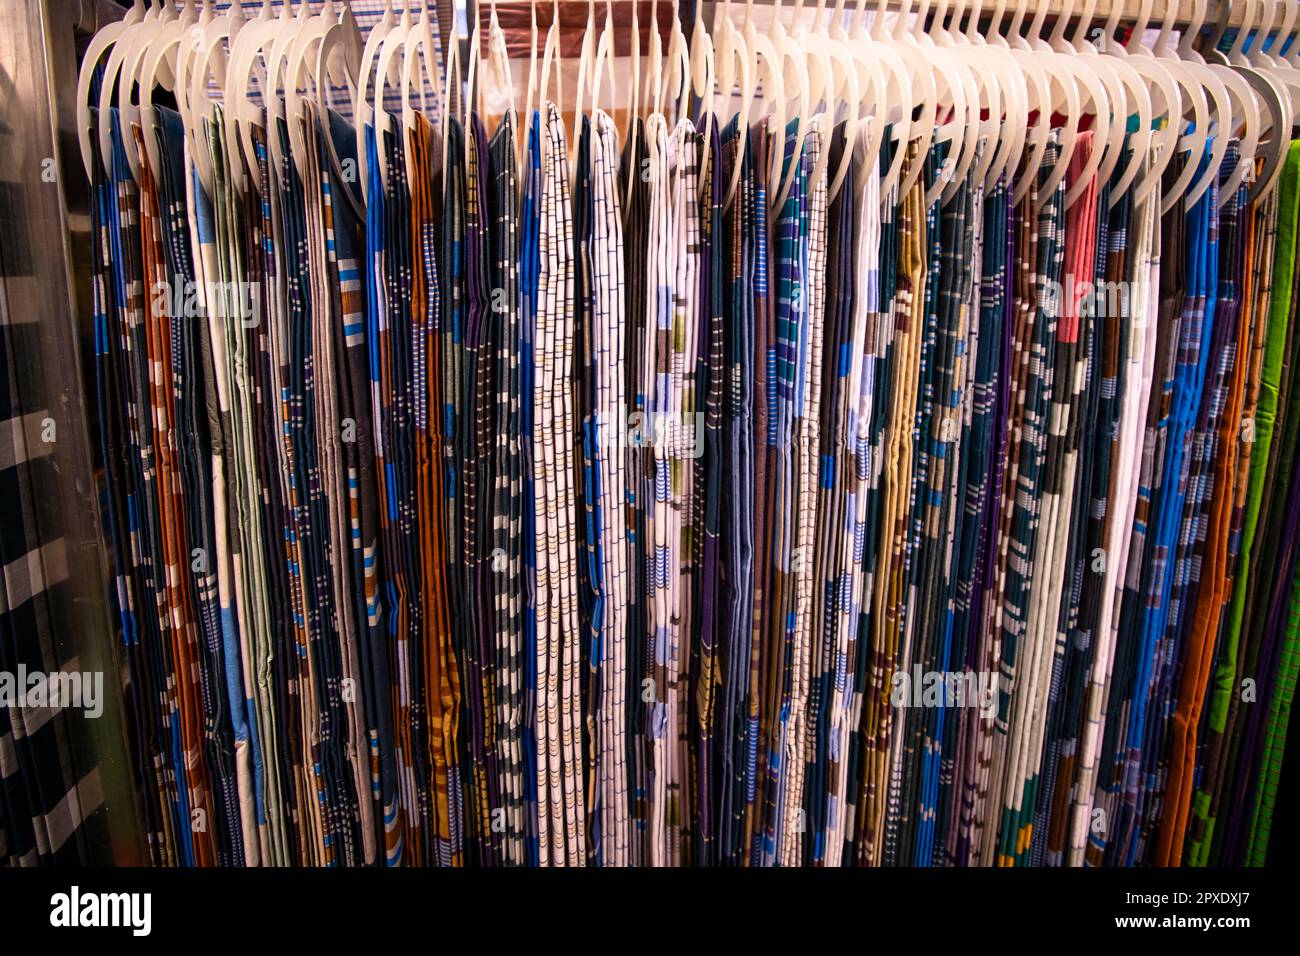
509, 597
1267, 355
570, 495
559, 778
48, 789
609, 494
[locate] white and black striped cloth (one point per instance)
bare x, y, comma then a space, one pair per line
44, 795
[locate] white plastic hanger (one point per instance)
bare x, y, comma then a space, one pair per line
296, 75
120, 52
703, 84
1014, 81
1193, 131
388, 65
806, 51
960, 99
276, 80
362, 111
526, 119
731, 53
1191, 96
605, 62
1281, 69
1267, 73
551, 51
474, 84
157, 68
677, 77
1033, 89
792, 66
987, 110
1110, 123
845, 88
102, 42
201, 58
342, 40
1003, 92
769, 70
1047, 105
130, 78
981, 91
1080, 85
1221, 118
586, 57
419, 69
654, 79
499, 61
241, 114
451, 81
896, 107
1289, 51
1136, 105
1246, 112
254, 43
926, 73
1166, 101
867, 119
190, 48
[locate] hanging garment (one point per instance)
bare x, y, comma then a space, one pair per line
487, 489
559, 780
609, 496
1037, 337
1224, 702
510, 599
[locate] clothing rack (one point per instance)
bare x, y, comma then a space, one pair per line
515, 14
40, 120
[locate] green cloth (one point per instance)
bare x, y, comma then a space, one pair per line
1279, 713
1279, 700
1226, 676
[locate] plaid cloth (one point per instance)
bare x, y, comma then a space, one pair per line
1203, 539
903, 261
1118, 794
974, 534
1037, 354
758, 305
46, 792
1270, 600
609, 408
1106, 324
508, 505
183, 793
236, 789
118, 501
854, 230
1216, 753
551, 509
560, 781
1050, 627
788, 358
946, 364
707, 499
284, 796
737, 519
1283, 668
